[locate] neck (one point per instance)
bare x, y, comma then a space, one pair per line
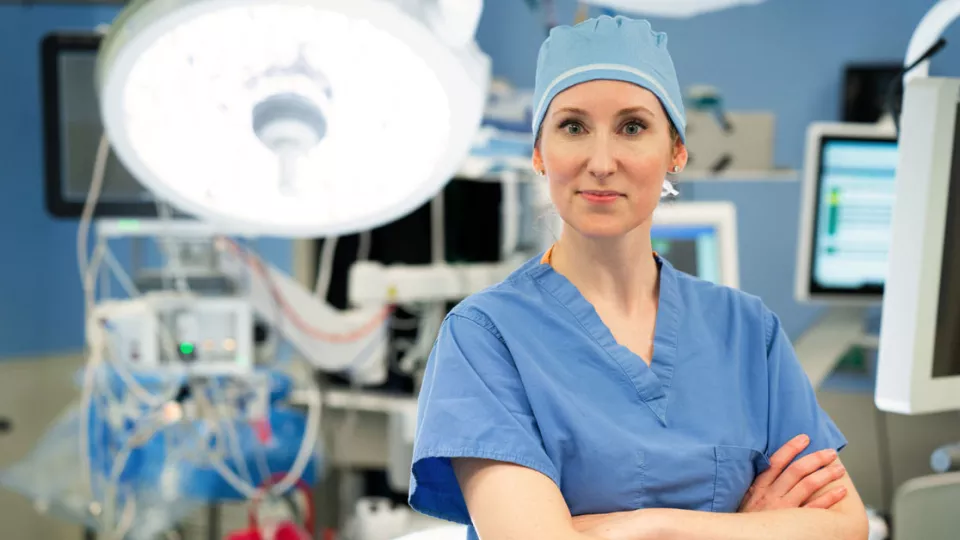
618, 272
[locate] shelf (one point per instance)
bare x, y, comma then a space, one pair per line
775, 175
366, 401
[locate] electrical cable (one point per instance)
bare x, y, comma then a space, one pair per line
294, 317
509, 214
170, 248
301, 461
127, 519
86, 405
86, 215
897, 83
123, 278
438, 229
142, 394
119, 465
307, 445
232, 437
247, 278
325, 267
216, 462
426, 335
263, 465
364, 245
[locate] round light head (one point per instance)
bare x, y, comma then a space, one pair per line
288, 117
670, 8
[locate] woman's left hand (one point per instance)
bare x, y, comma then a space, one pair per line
796, 484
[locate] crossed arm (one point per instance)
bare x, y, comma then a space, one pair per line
509, 502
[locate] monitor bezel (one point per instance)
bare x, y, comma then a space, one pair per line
722, 217
818, 135
53, 47
929, 161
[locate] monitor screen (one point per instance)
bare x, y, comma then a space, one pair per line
854, 204
72, 135
693, 249
946, 347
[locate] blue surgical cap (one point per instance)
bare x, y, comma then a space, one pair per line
607, 48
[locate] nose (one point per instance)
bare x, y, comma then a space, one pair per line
602, 163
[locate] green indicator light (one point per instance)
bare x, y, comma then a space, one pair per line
128, 225
187, 348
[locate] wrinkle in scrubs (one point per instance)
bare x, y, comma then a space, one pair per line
527, 373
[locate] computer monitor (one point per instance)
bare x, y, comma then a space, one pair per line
918, 369
72, 131
699, 238
847, 201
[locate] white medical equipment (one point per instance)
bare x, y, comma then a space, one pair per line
845, 217
373, 283
918, 368
919, 359
272, 127
267, 117
844, 229
670, 8
172, 331
699, 238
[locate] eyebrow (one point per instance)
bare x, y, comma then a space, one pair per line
623, 112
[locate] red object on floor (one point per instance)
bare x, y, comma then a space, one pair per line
285, 531
289, 531
244, 535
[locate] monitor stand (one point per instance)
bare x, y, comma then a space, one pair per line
822, 346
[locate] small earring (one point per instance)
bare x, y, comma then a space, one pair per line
541, 172
676, 169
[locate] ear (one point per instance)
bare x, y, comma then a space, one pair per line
537, 160
680, 155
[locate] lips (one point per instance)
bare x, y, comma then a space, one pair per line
595, 193
600, 196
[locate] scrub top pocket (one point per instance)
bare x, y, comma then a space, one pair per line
707, 478
679, 477
737, 467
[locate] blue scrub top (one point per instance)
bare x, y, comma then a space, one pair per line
526, 372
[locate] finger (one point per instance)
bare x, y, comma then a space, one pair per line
813, 483
828, 499
780, 459
802, 468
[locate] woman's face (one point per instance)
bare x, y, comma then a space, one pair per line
606, 147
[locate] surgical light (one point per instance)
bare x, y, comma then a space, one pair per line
669, 8
293, 117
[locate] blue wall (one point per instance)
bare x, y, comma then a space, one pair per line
39, 284
41, 307
785, 56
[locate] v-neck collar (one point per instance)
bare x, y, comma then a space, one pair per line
652, 382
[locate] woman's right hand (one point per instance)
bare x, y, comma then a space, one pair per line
797, 484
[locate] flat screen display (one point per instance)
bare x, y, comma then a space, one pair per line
852, 224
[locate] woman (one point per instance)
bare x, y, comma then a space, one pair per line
600, 393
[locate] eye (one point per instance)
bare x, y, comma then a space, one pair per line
633, 128
572, 127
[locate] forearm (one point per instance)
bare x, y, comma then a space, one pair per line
670, 524
788, 524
